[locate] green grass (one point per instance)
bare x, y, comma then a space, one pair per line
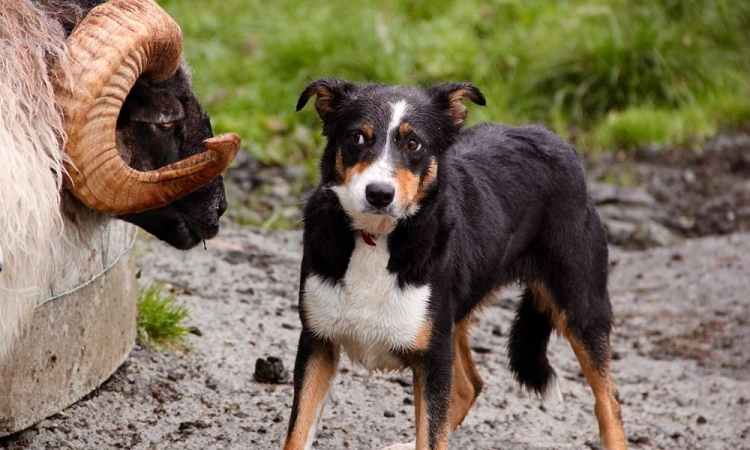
160, 319
597, 72
634, 127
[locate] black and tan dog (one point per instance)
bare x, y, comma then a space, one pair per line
415, 224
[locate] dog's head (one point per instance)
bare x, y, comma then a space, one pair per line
385, 143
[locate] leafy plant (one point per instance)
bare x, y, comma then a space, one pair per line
160, 319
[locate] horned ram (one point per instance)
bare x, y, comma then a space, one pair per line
97, 120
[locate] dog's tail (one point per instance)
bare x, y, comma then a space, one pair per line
527, 349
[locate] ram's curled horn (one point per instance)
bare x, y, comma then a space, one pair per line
116, 43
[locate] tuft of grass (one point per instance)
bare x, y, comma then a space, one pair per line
732, 111
637, 127
160, 319
621, 63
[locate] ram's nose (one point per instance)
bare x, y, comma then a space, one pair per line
380, 195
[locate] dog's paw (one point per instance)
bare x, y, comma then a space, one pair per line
406, 446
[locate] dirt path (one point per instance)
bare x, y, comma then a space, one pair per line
682, 364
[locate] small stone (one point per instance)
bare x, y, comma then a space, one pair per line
200, 424
652, 234
196, 331
176, 375
27, 434
143, 386
389, 414
270, 370
401, 381
638, 440
481, 349
217, 385
45, 424
618, 231
701, 420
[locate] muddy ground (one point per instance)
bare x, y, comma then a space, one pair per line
681, 343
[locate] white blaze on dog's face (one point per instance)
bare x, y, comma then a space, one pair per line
387, 177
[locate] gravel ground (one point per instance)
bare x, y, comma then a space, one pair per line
682, 362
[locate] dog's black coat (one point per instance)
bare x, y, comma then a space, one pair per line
509, 204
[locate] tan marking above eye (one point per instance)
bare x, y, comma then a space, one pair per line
368, 131
404, 129
165, 126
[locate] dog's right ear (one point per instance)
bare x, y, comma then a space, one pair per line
450, 97
329, 91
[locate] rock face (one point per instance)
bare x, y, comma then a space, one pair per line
661, 195
631, 216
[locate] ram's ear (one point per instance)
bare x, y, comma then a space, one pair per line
328, 92
450, 97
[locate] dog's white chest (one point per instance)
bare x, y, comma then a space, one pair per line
367, 313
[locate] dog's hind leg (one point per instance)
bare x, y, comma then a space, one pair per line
587, 327
607, 407
314, 370
467, 383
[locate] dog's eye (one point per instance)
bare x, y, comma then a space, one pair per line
413, 145
358, 139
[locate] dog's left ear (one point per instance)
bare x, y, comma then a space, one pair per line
450, 97
328, 91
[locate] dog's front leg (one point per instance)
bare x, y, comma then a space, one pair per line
314, 370
433, 378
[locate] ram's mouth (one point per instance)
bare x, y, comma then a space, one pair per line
197, 235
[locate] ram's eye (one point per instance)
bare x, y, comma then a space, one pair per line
413, 145
357, 139
165, 126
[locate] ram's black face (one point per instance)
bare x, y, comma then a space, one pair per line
158, 125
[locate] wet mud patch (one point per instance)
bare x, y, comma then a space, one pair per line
719, 343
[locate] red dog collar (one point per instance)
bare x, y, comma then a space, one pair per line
367, 237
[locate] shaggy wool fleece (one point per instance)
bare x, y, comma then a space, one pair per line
31, 136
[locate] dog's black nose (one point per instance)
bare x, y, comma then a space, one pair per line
379, 195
